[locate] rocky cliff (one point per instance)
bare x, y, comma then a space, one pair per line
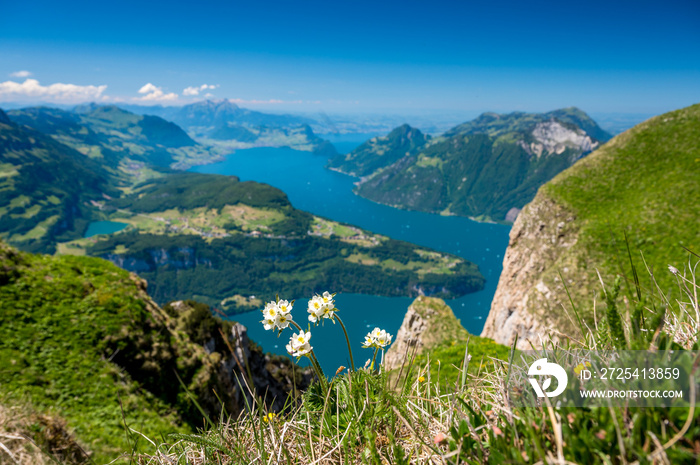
528, 296
633, 192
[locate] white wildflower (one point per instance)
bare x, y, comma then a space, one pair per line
276, 315
271, 311
673, 269
327, 298
284, 306
269, 323
316, 308
299, 344
283, 320
377, 338
383, 339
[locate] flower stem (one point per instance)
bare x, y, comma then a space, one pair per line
314, 362
376, 350
295, 324
319, 371
347, 339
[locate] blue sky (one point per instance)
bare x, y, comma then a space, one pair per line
360, 56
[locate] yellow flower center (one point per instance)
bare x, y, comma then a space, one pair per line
316, 304
300, 339
283, 308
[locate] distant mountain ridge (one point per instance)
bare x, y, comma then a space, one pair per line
217, 113
486, 169
224, 124
494, 124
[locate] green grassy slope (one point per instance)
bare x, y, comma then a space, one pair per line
45, 188
79, 335
58, 315
645, 183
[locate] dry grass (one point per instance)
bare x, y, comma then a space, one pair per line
30, 438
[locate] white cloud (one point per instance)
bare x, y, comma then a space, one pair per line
30, 89
195, 90
155, 94
20, 74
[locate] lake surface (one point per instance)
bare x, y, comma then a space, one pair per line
104, 227
311, 187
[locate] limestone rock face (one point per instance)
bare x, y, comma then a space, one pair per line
553, 137
427, 323
527, 300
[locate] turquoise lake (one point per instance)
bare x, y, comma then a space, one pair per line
311, 187
104, 227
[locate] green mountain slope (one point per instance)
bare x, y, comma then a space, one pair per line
222, 240
644, 183
486, 169
45, 188
134, 144
80, 336
380, 152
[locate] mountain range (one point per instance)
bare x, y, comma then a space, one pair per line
189, 234
224, 124
487, 169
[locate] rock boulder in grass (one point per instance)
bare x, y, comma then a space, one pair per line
428, 323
